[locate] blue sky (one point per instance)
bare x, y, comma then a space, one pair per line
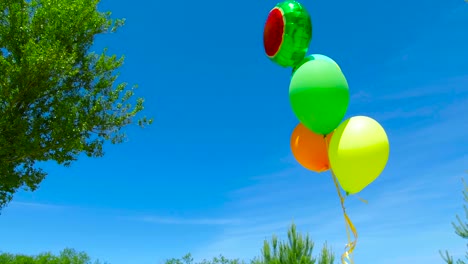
214, 173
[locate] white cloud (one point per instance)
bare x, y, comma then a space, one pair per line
188, 221
401, 113
39, 206
449, 28
410, 207
361, 96
448, 86
392, 212
15, 205
406, 199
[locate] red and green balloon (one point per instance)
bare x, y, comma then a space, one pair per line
287, 33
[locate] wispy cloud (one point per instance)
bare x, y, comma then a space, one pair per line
362, 96
430, 102
456, 85
32, 205
445, 130
128, 215
401, 113
432, 53
393, 212
406, 199
188, 221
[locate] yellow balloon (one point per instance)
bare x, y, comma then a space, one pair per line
358, 152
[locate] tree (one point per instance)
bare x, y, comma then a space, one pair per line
57, 99
298, 250
461, 230
188, 259
69, 256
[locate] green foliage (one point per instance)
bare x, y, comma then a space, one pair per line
57, 99
67, 256
298, 250
187, 259
461, 230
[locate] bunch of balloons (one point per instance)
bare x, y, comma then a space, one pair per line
355, 150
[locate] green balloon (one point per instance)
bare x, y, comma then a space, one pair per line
319, 95
314, 57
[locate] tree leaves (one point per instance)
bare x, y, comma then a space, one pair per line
66, 256
461, 229
57, 99
298, 250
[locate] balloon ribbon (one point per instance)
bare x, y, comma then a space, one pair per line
347, 257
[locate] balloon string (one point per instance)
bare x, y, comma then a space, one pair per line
363, 200
347, 257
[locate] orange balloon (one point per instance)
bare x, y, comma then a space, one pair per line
310, 149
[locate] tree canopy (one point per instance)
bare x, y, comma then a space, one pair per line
57, 98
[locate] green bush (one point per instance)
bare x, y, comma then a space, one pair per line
296, 250
188, 259
67, 256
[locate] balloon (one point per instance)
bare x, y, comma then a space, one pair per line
315, 57
319, 95
310, 149
287, 33
358, 152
